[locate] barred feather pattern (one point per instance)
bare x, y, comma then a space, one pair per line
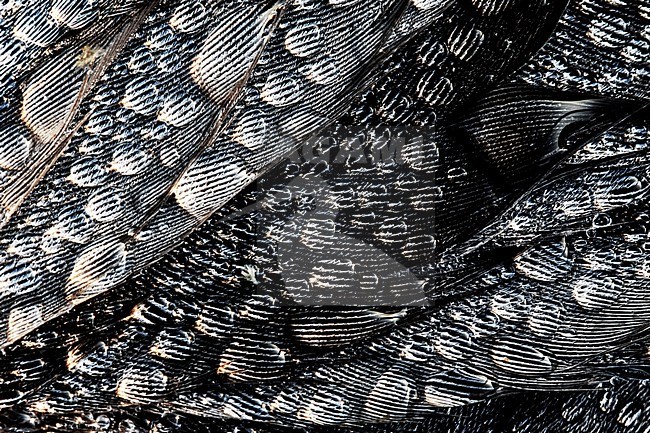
461, 246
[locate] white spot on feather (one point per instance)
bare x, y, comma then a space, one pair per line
94, 270
224, 61
23, 319
209, 184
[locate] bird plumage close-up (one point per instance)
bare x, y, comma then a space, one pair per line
325, 215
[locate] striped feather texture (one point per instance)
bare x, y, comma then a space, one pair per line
306, 215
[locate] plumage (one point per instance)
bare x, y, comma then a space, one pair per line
350, 215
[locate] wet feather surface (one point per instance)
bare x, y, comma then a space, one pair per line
359, 216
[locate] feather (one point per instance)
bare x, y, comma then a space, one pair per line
461, 246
